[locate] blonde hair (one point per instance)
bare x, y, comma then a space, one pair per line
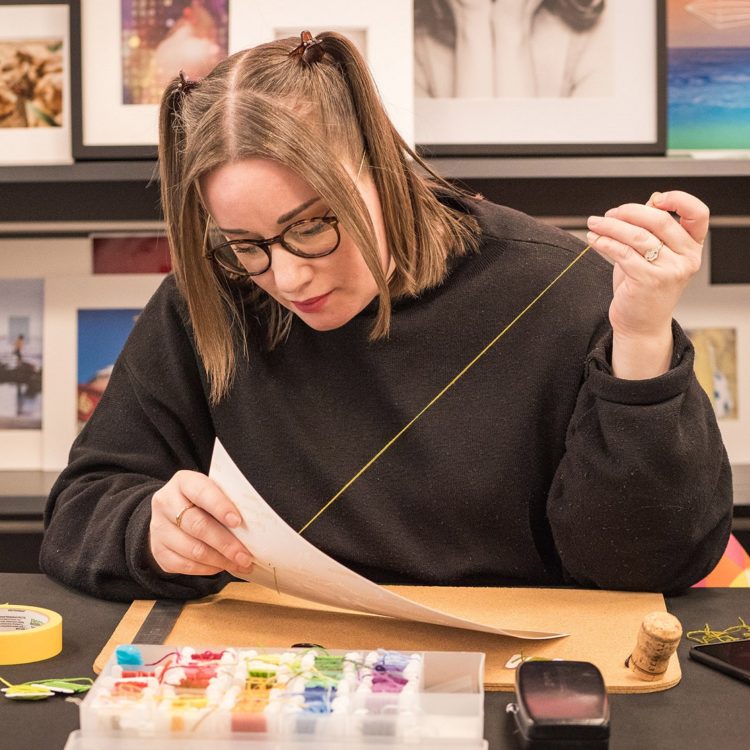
311, 117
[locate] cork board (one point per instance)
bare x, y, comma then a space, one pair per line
603, 626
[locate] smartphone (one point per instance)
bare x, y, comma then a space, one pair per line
732, 658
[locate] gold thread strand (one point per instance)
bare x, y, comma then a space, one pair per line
445, 389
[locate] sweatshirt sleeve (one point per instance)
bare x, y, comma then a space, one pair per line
152, 421
642, 499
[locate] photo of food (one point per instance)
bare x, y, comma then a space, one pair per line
161, 38
31, 83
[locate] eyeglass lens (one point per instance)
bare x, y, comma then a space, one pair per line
311, 238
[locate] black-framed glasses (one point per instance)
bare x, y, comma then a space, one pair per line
307, 238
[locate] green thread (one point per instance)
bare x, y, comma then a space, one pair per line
445, 389
36, 690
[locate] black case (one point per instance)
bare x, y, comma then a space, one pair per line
561, 705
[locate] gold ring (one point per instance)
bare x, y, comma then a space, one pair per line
652, 254
178, 517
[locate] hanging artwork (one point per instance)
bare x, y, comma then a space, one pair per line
709, 75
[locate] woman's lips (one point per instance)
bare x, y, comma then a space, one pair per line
312, 304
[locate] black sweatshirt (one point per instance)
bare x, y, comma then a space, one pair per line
537, 468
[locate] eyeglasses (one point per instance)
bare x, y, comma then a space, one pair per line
308, 238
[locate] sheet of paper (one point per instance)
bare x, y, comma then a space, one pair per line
287, 562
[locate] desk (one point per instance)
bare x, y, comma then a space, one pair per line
706, 710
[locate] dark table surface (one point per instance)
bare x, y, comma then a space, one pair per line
705, 710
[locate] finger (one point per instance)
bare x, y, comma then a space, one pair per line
173, 562
630, 260
205, 493
201, 537
694, 213
660, 223
625, 234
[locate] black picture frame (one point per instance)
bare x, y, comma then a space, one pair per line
83, 150
465, 147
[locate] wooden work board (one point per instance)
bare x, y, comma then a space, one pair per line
602, 627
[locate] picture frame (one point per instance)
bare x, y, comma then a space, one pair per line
63, 298
35, 90
623, 114
708, 53
30, 258
387, 26
105, 128
704, 305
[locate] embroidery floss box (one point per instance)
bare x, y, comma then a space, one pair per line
150, 697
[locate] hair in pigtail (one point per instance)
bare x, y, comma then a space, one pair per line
187, 227
428, 222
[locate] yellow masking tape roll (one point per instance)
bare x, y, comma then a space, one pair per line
28, 634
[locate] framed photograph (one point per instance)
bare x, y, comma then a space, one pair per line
24, 266
21, 314
126, 51
717, 320
560, 79
382, 31
65, 299
102, 333
35, 91
130, 253
709, 65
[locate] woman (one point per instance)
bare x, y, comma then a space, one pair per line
324, 292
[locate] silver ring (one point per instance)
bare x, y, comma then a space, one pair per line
652, 254
178, 517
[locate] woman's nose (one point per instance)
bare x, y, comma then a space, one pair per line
290, 272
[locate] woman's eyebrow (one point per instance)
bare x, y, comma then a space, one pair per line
291, 214
281, 220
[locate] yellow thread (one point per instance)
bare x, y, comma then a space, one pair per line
739, 632
446, 388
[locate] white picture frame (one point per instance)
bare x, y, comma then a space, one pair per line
63, 298
38, 145
45, 258
705, 305
111, 129
387, 26
629, 119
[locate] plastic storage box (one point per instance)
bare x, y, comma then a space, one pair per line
151, 697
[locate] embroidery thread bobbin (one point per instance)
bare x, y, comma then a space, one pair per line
657, 640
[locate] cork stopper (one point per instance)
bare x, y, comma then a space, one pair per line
657, 640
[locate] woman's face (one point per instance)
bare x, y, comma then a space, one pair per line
258, 198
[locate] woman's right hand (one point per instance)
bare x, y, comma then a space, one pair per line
188, 532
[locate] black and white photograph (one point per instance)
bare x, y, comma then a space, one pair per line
539, 76
512, 48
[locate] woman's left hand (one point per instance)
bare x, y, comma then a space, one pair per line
654, 256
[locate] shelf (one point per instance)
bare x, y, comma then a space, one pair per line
589, 167
452, 167
82, 171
